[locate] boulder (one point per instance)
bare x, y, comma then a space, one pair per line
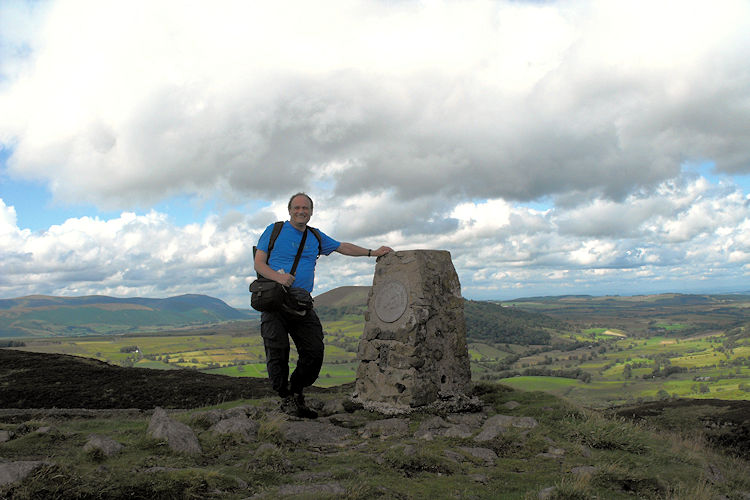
484, 454
387, 428
315, 433
106, 445
178, 436
13, 472
499, 424
240, 425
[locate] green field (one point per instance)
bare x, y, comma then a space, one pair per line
233, 355
553, 385
172, 351
611, 352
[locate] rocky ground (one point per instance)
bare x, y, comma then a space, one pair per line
32, 380
526, 445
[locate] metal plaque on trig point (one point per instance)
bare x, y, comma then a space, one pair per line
390, 302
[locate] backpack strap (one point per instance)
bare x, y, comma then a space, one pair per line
316, 233
274, 235
277, 226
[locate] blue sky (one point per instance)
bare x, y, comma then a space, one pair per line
144, 146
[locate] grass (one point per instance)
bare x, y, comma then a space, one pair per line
620, 460
247, 370
548, 384
671, 327
478, 351
338, 374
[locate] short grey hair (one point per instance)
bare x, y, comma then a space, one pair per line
289, 205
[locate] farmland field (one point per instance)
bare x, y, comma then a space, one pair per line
226, 354
610, 351
546, 384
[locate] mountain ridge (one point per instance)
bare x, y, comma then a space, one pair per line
43, 315
37, 315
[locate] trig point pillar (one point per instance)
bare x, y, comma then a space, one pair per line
413, 349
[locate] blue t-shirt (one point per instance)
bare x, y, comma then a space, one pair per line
285, 249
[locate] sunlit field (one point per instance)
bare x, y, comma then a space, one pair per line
627, 361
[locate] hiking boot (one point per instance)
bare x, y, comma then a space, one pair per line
295, 406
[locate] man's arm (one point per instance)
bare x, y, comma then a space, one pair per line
357, 251
265, 270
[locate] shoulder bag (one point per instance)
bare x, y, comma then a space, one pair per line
269, 295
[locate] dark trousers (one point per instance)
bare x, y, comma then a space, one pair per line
307, 334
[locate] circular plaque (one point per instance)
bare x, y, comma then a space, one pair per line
390, 301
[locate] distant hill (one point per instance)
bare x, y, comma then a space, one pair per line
343, 296
45, 316
40, 315
630, 301
491, 322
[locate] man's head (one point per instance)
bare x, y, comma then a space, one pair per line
300, 210
289, 206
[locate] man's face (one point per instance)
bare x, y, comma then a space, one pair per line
300, 211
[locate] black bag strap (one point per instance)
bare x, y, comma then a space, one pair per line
316, 233
277, 226
272, 241
299, 252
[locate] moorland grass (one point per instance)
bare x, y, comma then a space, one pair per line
621, 459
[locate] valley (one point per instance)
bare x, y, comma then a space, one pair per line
596, 351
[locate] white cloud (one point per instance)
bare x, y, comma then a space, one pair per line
494, 248
129, 255
413, 124
143, 100
7, 219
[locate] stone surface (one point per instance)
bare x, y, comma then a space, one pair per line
106, 445
485, 454
584, 470
316, 433
391, 302
546, 493
178, 436
430, 428
413, 349
553, 452
499, 424
391, 427
12, 472
239, 425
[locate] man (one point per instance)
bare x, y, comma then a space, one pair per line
306, 331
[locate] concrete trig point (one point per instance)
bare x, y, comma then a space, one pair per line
413, 350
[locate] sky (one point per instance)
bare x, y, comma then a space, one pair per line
571, 147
